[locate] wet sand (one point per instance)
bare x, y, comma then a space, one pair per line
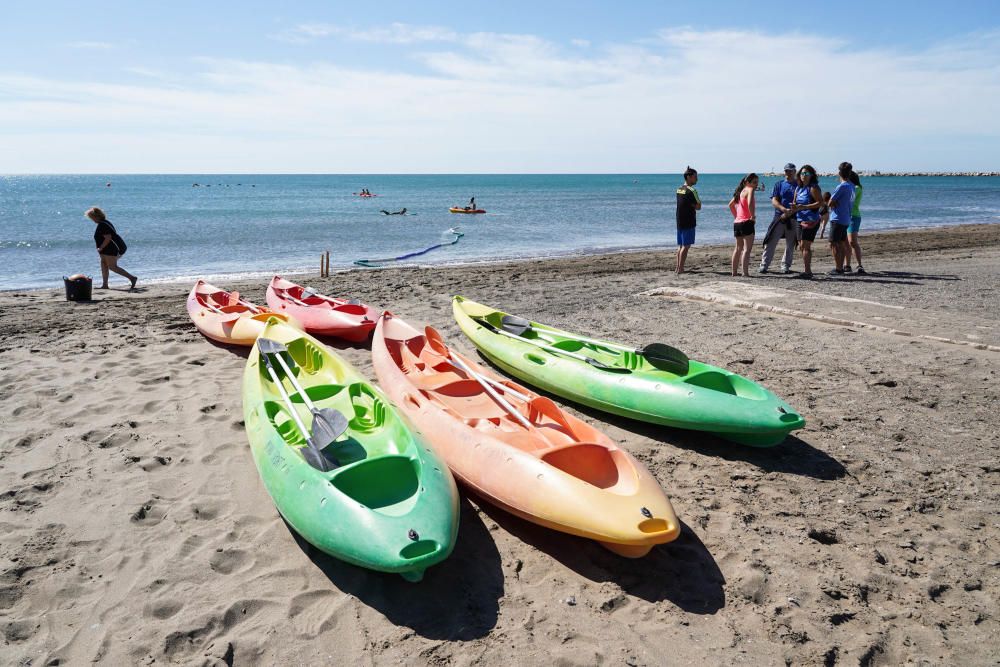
136, 529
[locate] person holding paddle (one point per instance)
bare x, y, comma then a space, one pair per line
110, 247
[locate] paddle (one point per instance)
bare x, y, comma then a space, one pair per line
479, 376
438, 345
227, 317
328, 424
659, 355
309, 291
555, 350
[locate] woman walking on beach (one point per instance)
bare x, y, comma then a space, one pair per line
852, 230
110, 247
743, 206
807, 202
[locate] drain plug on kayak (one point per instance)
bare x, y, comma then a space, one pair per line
646, 513
413, 535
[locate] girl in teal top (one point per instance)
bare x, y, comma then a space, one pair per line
853, 245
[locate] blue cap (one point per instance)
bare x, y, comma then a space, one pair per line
789, 167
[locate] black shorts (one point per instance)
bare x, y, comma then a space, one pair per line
744, 228
838, 233
809, 233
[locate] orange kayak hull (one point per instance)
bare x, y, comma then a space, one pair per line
226, 318
561, 473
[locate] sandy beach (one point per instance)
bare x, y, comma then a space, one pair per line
136, 529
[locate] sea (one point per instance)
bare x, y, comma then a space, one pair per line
229, 227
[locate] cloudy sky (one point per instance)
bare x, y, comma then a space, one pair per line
487, 87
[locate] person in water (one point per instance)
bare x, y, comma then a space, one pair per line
401, 212
852, 230
783, 225
743, 206
688, 204
841, 203
110, 247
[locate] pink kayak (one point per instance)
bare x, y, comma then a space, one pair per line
351, 320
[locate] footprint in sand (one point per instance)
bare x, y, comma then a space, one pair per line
149, 514
230, 561
162, 609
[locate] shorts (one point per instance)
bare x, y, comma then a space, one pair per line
855, 225
744, 228
809, 233
685, 236
838, 233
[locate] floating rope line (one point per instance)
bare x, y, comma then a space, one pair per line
375, 263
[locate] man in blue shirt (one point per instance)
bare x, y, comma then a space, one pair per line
784, 225
840, 217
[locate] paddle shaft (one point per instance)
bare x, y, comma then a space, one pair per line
493, 394
295, 383
288, 401
549, 348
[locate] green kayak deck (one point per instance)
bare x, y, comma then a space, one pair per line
391, 504
705, 398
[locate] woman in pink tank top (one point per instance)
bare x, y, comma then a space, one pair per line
743, 206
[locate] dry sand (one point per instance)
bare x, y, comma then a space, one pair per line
136, 529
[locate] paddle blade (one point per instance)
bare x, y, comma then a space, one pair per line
270, 346
666, 358
315, 458
604, 367
435, 342
514, 324
327, 426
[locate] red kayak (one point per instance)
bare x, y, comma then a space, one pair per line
319, 314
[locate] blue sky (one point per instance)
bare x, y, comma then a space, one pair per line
497, 87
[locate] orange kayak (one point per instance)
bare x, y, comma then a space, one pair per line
225, 317
319, 314
541, 464
455, 209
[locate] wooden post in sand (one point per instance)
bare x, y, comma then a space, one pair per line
327, 264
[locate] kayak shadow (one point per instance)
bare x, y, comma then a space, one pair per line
341, 344
792, 456
239, 350
682, 572
458, 599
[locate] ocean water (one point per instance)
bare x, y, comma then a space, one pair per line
248, 225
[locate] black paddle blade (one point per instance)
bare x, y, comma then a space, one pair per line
315, 458
269, 346
514, 324
666, 358
327, 426
604, 367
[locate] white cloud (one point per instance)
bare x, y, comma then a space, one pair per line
94, 46
394, 33
721, 101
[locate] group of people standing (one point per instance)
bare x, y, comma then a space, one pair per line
801, 210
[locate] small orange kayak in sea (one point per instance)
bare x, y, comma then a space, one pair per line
351, 320
455, 209
529, 457
225, 317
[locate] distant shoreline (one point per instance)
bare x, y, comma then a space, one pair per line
904, 174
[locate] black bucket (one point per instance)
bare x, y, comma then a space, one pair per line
78, 287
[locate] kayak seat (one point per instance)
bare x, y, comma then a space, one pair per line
731, 384
307, 356
386, 484
594, 464
368, 409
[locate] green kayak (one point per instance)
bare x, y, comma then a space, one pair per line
364, 487
657, 384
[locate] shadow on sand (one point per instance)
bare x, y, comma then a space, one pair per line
682, 572
793, 456
458, 599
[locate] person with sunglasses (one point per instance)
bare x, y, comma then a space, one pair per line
784, 225
807, 202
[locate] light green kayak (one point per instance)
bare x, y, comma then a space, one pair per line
611, 377
387, 502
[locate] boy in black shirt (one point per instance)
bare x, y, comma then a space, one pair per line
688, 203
